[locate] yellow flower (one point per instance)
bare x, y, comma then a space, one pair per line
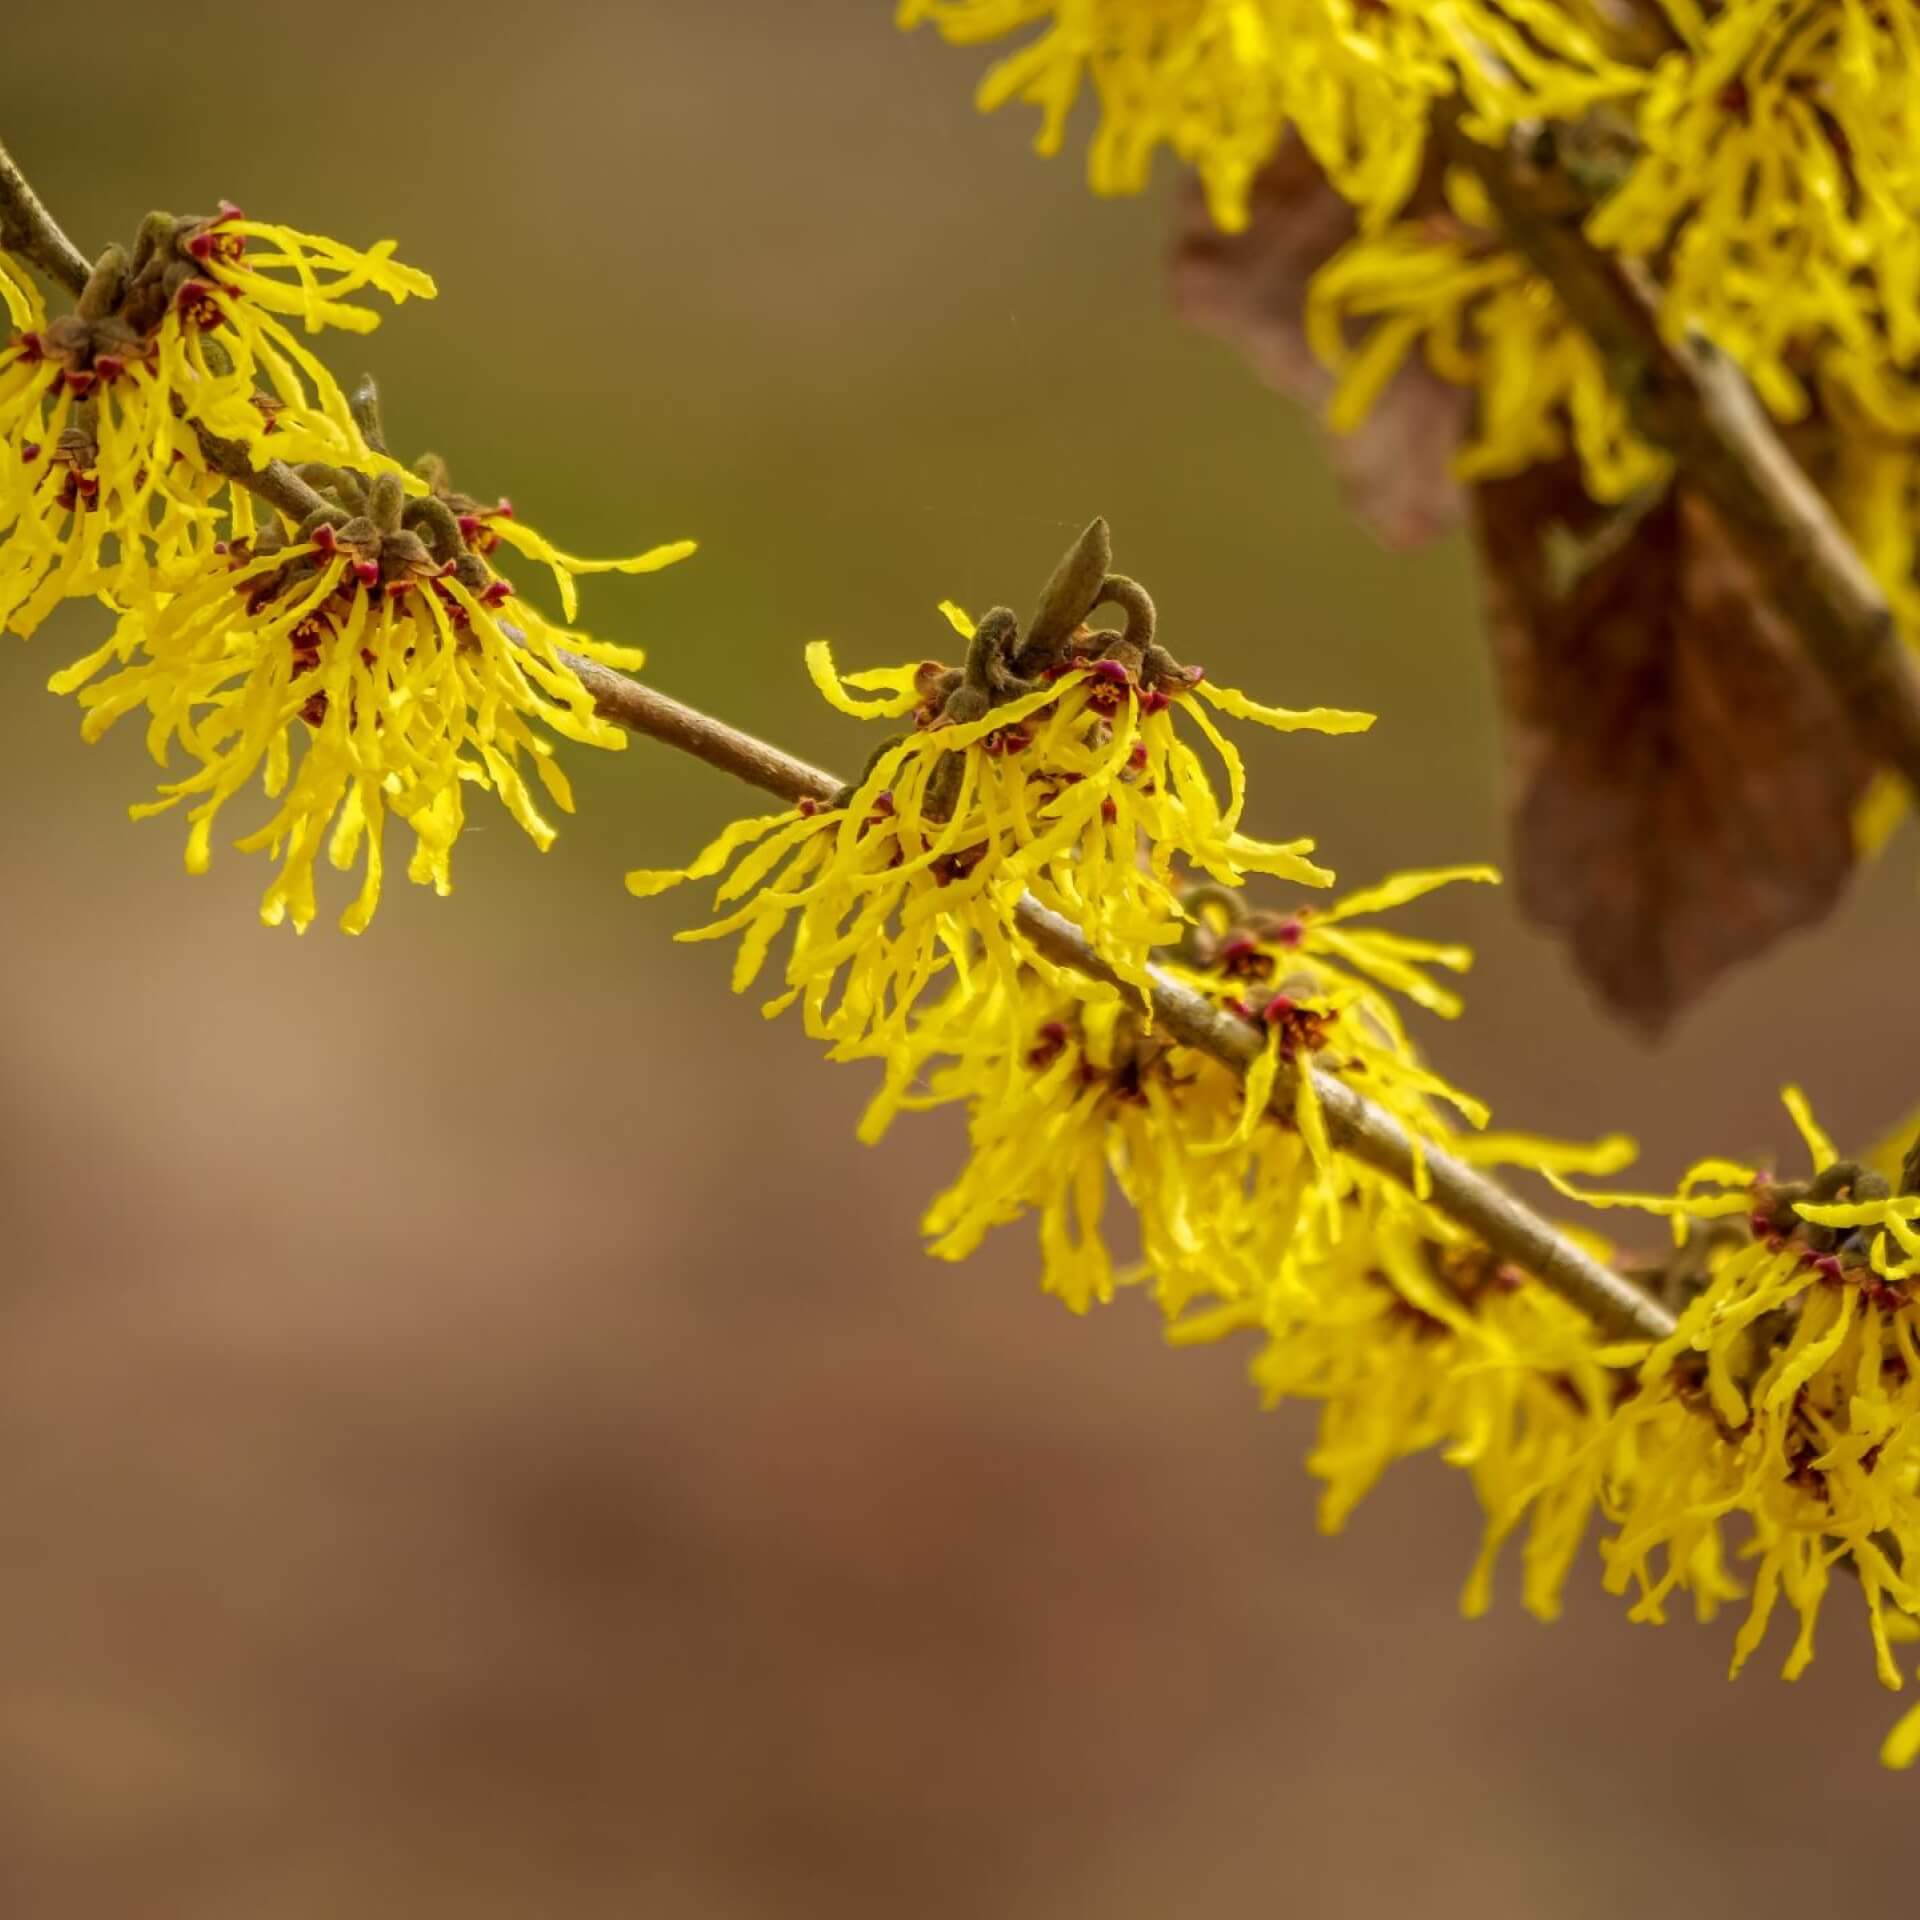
227, 282
1054, 794
1415, 1340
1410, 1336
1064, 1088
1485, 321
104, 487
1779, 187
1877, 496
484, 530
1247, 1215
1218, 81
361, 668
1784, 1404
1873, 486
19, 297
98, 487
1191, 75
1065, 1083
1062, 786
1049, 764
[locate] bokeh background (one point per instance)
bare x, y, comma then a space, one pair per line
477, 1436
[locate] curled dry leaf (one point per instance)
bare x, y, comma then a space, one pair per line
1683, 783
1250, 290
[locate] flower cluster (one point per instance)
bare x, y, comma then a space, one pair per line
1779, 1423
910, 944
1218, 81
1877, 495
1052, 762
1781, 1416
349, 646
1411, 1343
105, 486
1756, 166
1777, 183
1250, 1217
1445, 285
19, 296
296, 613
361, 665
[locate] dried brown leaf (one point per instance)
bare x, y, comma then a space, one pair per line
1682, 780
1250, 290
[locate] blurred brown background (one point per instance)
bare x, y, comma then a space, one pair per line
477, 1437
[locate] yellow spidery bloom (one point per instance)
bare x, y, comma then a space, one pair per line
19, 297
1219, 81
362, 667
486, 529
1873, 486
231, 286
1877, 496
1414, 1340
1779, 187
1410, 1337
1322, 946
1484, 320
1075, 1088
1209, 1178
1784, 1405
1050, 763
104, 487
1323, 985
1065, 1083
1065, 1088
1247, 1213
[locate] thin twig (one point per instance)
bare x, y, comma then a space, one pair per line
1512, 1231
276, 483
1691, 402
29, 232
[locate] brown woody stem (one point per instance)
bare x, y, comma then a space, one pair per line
29, 232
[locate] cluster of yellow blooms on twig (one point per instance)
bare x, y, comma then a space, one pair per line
1776, 1424
1757, 160
358, 663
361, 660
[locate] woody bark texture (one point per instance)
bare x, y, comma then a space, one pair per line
29, 232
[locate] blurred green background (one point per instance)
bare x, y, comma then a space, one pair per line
477, 1436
